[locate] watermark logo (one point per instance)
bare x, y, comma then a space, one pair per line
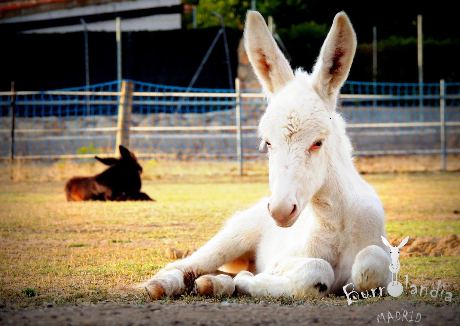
394, 288
402, 316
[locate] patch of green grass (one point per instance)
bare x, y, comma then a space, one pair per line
428, 270
76, 245
422, 228
30, 292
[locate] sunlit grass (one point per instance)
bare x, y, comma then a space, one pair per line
54, 251
422, 228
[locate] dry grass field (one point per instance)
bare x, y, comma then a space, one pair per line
55, 252
211, 171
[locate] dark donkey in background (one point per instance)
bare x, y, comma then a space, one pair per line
120, 182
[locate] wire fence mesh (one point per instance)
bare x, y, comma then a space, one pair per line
186, 124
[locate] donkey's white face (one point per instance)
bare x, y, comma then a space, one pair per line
297, 126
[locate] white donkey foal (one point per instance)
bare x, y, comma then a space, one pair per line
321, 227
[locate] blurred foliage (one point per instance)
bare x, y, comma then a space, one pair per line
303, 24
90, 149
392, 17
234, 11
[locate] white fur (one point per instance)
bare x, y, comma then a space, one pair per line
321, 227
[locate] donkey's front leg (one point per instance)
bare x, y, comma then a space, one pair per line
240, 235
296, 276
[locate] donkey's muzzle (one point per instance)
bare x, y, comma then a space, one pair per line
284, 213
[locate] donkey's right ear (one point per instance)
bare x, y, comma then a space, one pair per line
126, 153
385, 242
107, 161
403, 242
271, 67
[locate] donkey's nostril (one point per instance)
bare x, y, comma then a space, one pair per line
294, 209
268, 207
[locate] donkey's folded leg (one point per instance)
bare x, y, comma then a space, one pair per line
370, 269
293, 276
240, 235
262, 284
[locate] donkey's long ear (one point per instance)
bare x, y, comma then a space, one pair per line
269, 64
385, 242
126, 153
403, 242
107, 161
334, 61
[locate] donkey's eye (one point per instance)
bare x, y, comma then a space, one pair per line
316, 146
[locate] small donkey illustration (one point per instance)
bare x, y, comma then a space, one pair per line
394, 287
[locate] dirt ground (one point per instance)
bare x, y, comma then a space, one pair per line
202, 313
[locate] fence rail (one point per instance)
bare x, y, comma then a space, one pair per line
179, 123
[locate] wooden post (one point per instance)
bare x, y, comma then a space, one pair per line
87, 82
239, 140
124, 114
374, 63
13, 121
442, 120
420, 64
13, 128
118, 39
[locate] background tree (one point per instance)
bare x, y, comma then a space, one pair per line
302, 25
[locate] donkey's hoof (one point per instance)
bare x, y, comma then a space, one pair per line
243, 282
204, 286
210, 285
155, 290
370, 269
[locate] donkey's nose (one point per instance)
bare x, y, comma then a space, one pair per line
283, 213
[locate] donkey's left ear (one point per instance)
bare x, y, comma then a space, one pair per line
267, 60
403, 242
334, 61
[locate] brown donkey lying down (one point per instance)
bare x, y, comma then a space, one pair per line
120, 182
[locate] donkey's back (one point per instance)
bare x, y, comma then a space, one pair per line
86, 188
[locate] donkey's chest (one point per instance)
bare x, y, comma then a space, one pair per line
304, 239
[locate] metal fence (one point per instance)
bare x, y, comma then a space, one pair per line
216, 124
